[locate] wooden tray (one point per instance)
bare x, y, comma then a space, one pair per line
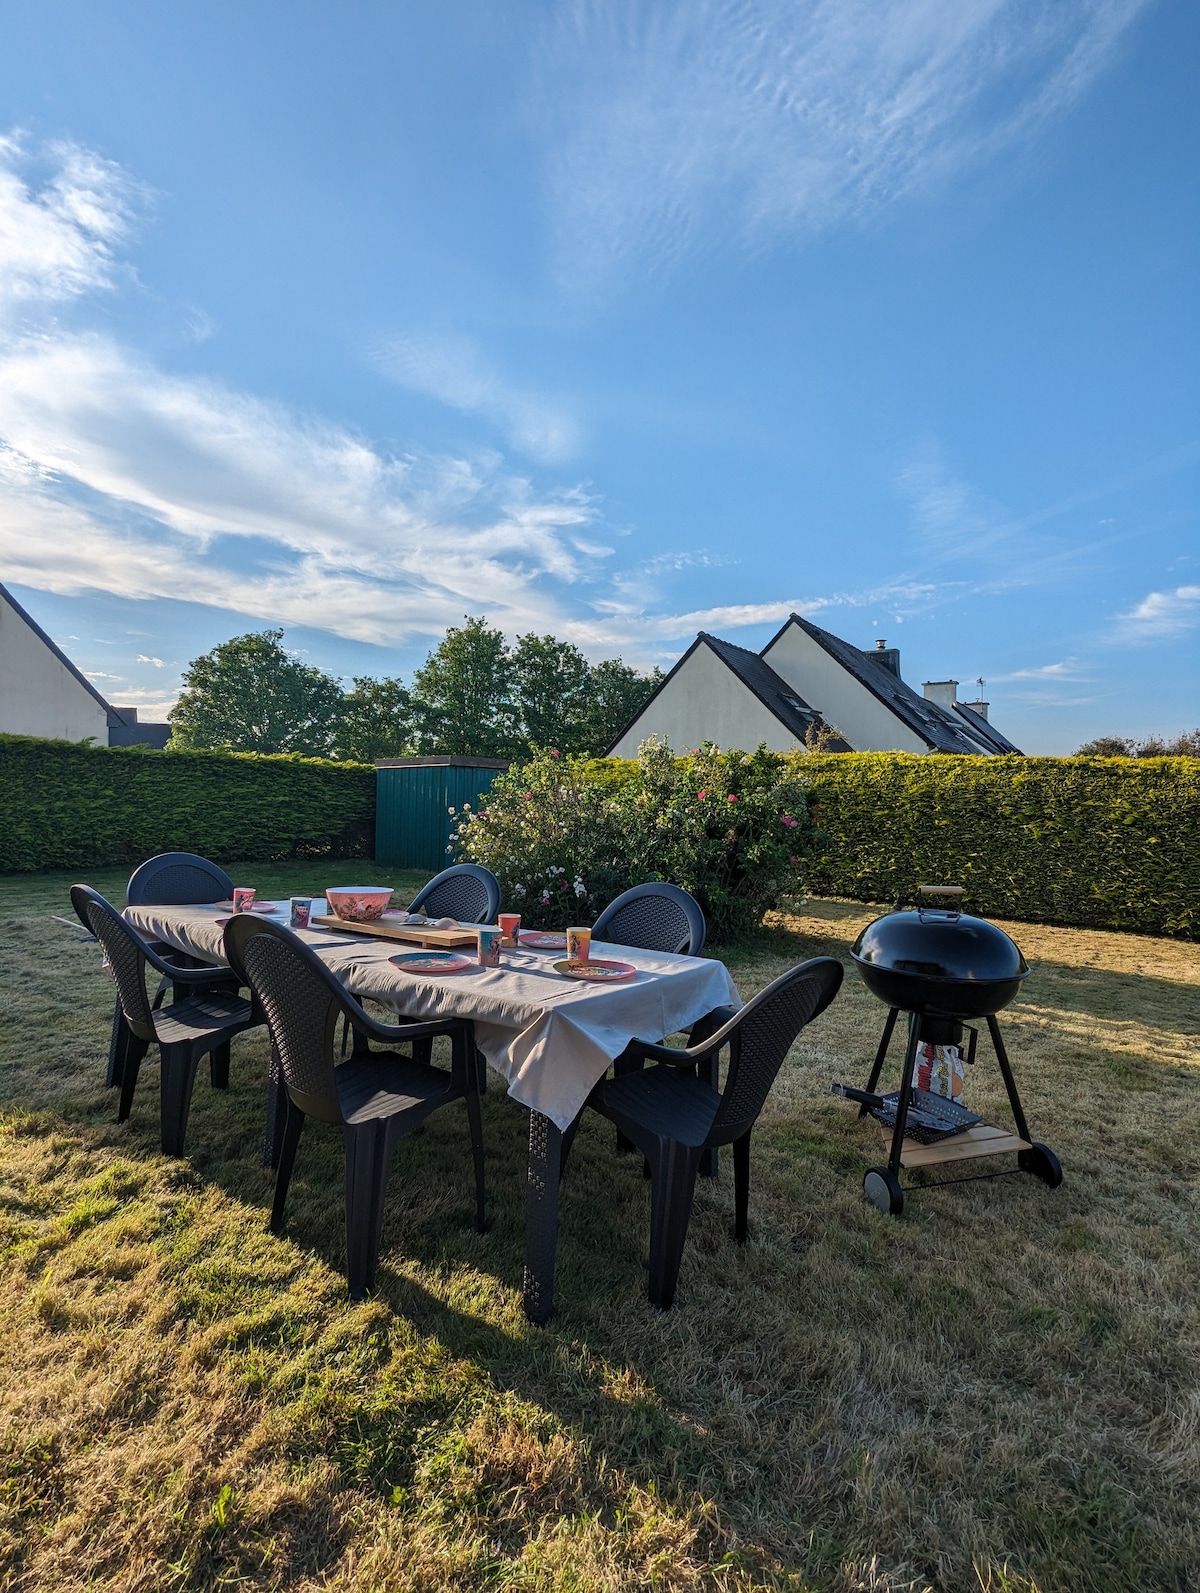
414, 934
984, 1139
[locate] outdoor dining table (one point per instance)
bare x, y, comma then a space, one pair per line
550, 1036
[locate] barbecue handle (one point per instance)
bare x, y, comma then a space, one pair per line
851, 1094
941, 890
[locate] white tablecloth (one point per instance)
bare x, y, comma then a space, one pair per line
549, 1036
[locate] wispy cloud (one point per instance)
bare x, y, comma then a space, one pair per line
1066, 669
1162, 614
452, 370
676, 122
118, 477
59, 240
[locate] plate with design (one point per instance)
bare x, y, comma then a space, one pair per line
433, 962
596, 970
537, 940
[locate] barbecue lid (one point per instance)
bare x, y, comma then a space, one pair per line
940, 943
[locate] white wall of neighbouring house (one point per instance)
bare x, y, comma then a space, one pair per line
39, 696
817, 678
705, 701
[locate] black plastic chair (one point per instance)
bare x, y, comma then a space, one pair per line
673, 1115
171, 879
467, 892
177, 879
201, 1024
378, 1097
655, 916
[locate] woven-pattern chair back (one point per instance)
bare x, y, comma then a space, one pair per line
765, 1030
175, 879
655, 923
470, 895
302, 1010
123, 954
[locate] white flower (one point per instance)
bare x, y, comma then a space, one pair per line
450, 810
519, 889
580, 888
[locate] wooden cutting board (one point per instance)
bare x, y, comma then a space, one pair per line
415, 934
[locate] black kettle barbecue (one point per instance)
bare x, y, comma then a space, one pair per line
942, 967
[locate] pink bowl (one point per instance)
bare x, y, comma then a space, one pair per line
358, 904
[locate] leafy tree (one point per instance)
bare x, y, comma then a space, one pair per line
615, 694
251, 695
551, 695
1186, 745
377, 721
462, 694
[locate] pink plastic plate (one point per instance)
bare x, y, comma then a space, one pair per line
433, 962
263, 907
537, 941
596, 970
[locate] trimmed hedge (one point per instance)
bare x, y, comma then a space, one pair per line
1100, 843
66, 805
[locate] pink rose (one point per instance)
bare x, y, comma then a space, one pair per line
700, 795
731, 799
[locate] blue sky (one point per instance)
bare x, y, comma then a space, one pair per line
613, 320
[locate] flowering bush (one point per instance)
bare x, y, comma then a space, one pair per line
566, 835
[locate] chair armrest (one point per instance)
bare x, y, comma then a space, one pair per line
407, 1029
716, 1023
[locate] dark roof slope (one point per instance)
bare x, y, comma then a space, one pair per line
938, 727
771, 689
113, 718
984, 729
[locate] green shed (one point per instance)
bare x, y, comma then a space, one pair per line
412, 799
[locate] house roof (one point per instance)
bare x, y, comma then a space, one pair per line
114, 718
758, 677
983, 728
771, 689
940, 728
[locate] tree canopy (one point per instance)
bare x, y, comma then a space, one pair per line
473, 697
251, 695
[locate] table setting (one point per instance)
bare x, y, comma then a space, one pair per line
550, 1025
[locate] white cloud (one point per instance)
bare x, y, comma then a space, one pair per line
117, 477
453, 371
144, 658
1162, 614
1066, 669
676, 121
58, 242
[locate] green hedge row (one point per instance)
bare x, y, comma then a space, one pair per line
1102, 843
64, 805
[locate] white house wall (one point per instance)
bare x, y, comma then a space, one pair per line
818, 678
705, 701
39, 696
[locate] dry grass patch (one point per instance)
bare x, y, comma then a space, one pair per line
996, 1392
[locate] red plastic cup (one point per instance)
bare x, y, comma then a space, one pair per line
509, 923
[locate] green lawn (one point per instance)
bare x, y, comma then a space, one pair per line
998, 1391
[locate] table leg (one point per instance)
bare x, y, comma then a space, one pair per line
541, 1217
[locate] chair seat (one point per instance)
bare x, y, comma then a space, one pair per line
201, 1016
385, 1084
667, 1102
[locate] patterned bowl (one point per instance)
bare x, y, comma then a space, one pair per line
358, 904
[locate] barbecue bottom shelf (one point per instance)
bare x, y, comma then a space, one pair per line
985, 1139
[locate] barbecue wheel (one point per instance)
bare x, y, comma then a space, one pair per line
1041, 1161
882, 1189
